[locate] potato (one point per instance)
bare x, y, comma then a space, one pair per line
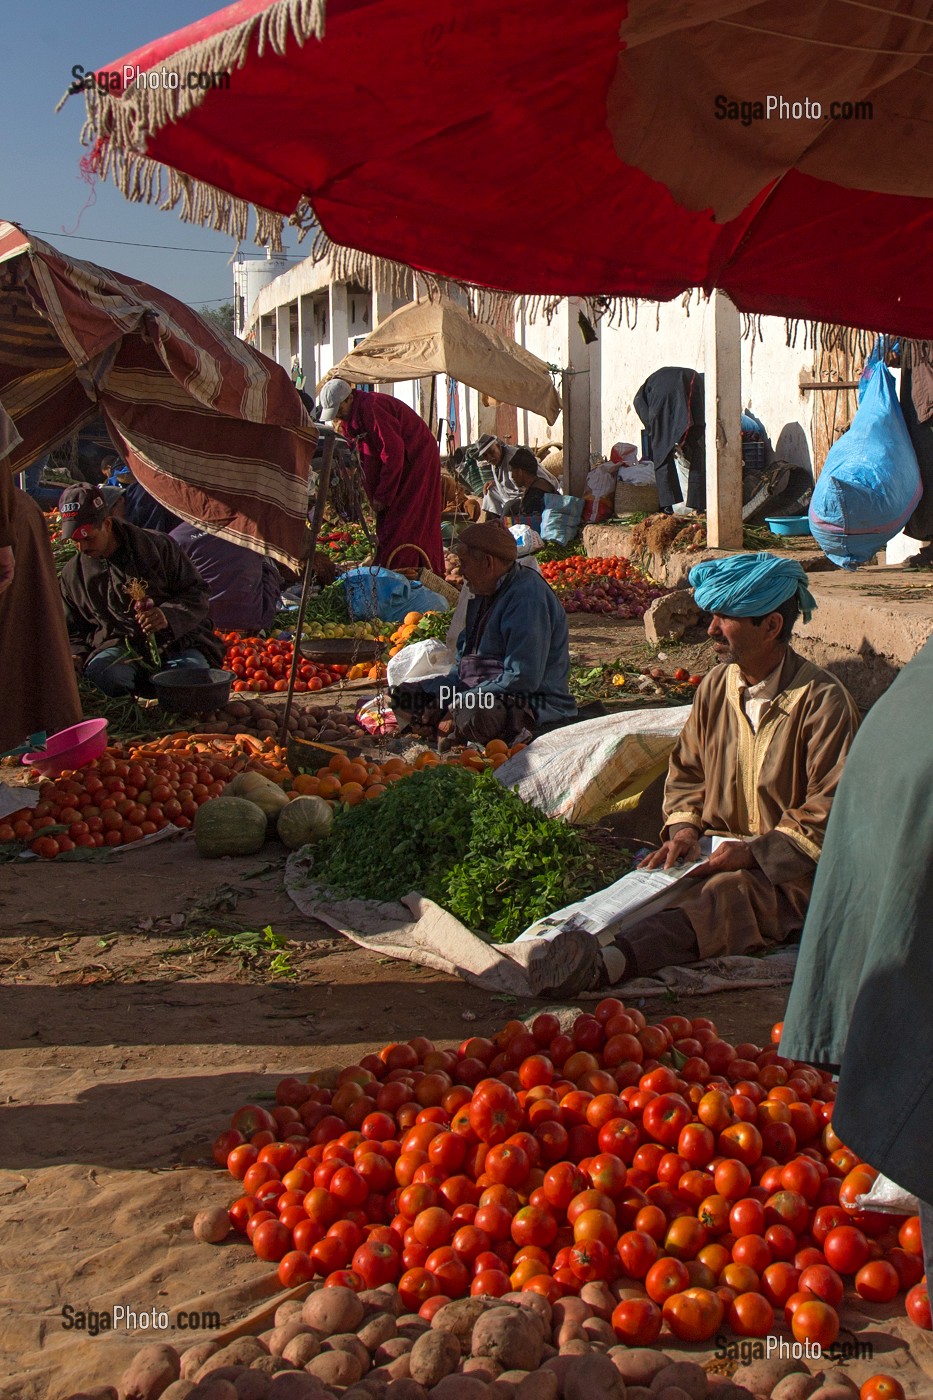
301, 1348
334, 1368
760, 1377
799, 1386
251, 1385
482, 1367
332, 1311
594, 1378
405, 1390
151, 1371
391, 1349
194, 1358
835, 1390
211, 1225
270, 1365
100, 1392
569, 1310
178, 1390
434, 1356
242, 1352
538, 1385
295, 1385
400, 1368
411, 1325
460, 1318
510, 1337
670, 1392
460, 1388
571, 1332
598, 1299
375, 1330
280, 1336
836, 1375
214, 1390
637, 1392
687, 1374
638, 1365
349, 1342
539, 1307
577, 1346
597, 1329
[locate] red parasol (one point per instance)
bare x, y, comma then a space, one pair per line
212, 428
594, 149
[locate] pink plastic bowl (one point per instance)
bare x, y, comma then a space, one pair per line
70, 748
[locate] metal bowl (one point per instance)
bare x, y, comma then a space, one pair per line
192, 690
341, 650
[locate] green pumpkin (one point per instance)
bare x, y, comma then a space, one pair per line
229, 826
304, 819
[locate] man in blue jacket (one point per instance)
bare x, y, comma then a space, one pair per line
513, 656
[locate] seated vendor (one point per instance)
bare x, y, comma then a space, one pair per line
532, 480
111, 633
513, 657
758, 760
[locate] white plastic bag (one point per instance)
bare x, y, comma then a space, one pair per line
885, 1195
418, 661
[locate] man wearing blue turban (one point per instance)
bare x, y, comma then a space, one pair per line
758, 760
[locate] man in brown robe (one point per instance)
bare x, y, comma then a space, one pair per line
38, 682
758, 760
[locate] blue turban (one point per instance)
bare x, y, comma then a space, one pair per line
750, 585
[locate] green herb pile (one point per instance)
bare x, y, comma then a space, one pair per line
466, 842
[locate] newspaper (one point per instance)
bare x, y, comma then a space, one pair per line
610, 911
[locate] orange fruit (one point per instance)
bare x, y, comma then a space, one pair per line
354, 773
496, 746
426, 760
376, 790
497, 759
351, 793
328, 785
411, 619
397, 766
306, 785
517, 748
338, 763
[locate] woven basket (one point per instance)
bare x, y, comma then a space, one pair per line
427, 576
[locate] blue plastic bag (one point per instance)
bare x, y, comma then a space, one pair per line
561, 517
870, 483
373, 592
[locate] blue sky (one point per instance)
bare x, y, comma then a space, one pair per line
41, 186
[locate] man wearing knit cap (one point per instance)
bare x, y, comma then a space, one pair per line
758, 761
513, 655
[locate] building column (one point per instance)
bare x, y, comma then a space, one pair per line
576, 403
283, 337
339, 322
306, 343
722, 368
267, 336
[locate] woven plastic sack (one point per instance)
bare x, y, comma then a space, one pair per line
870, 483
561, 518
885, 1195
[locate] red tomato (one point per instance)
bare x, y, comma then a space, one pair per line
665, 1117
272, 1241
665, 1278
846, 1249
495, 1112
816, 1323
917, 1303
751, 1315
877, 1282
693, 1315
820, 1281
881, 1387
377, 1264
637, 1322
590, 1260
295, 1268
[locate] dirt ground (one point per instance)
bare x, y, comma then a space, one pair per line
134, 1026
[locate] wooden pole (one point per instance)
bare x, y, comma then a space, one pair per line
723, 390
314, 530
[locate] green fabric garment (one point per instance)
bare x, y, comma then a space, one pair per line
862, 992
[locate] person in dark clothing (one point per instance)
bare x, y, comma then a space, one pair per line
245, 587
532, 480
110, 633
670, 405
144, 511
917, 407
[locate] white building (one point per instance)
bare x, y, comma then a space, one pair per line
305, 317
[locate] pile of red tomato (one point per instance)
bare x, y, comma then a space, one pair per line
114, 801
542, 1160
612, 586
261, 664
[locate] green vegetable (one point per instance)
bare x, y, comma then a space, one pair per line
466, 842
431, 625
229, 826
330, 605
304, 819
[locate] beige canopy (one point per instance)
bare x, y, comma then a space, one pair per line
439, 337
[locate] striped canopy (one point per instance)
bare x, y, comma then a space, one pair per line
210, 427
